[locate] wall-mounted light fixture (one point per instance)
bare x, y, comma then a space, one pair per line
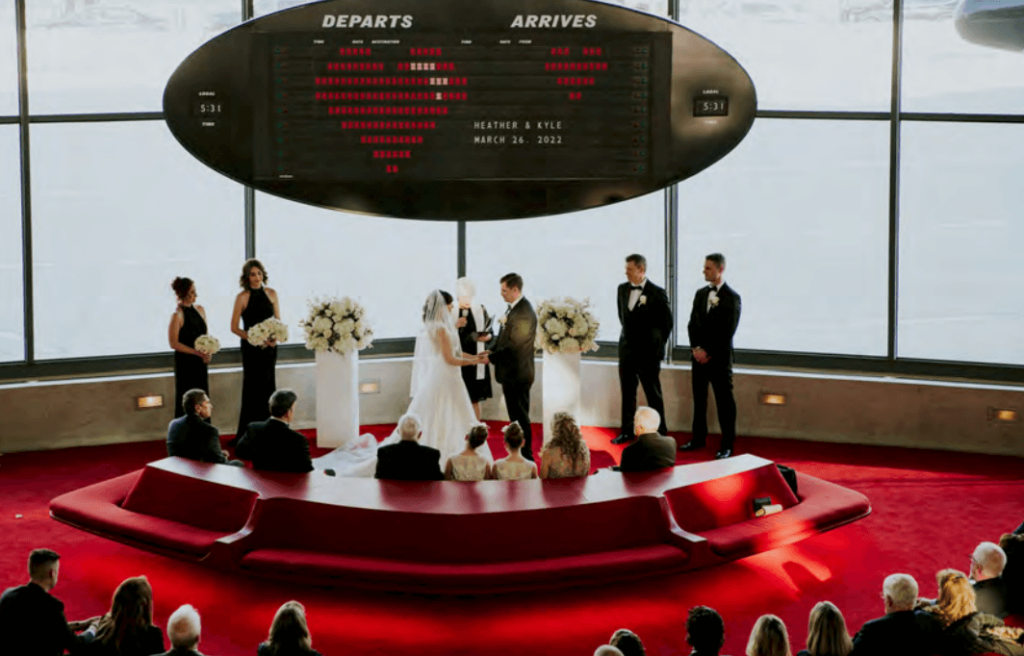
1003, 415
149, 402
768, 398
369, 387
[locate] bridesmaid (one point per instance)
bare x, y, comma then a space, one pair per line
187, 323
255, 303
473, 323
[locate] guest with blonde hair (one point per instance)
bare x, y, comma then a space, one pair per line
566, 455
826, 632
768, 638
289, 633
515, 467
966, 630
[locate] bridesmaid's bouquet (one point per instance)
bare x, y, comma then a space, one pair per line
337, 325
566, 325
266, 330
207, 344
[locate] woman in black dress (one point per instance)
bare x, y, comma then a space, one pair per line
128, 629
255, 303
187, 323
474, 326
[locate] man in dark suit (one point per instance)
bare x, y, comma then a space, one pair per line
409, 460
705, 631
987, 564
32, 620
192, 437
713, 321
646, 320
903, 631
513, 355
650, 450
272, 445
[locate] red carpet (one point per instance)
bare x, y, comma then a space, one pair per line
930, 509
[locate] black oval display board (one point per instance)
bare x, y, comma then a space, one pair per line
459, 109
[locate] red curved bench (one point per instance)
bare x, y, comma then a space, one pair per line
445, 537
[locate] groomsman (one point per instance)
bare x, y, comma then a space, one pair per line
713, 321
646, 320
513, 354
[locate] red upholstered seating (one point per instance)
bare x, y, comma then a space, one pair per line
195, 502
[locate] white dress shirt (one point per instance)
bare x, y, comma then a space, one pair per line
634, 294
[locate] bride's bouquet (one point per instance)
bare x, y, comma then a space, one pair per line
336, 324
207, 344
566, 326
266, 330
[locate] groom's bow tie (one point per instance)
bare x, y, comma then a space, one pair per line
712, 289
636, 286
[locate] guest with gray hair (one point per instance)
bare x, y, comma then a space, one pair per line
650, 450
903, 631
272, 445
408, 460
183, 629
987, 564
608, 650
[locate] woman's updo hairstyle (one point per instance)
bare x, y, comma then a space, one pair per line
477, 436
514, 435
181, 287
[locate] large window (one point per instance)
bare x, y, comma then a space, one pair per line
86, 56
12, 318
960, 242
804, 54
119, 210
388, 265
800, 212
8, 60
581, 255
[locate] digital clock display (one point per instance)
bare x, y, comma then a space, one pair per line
209, 108
711, 106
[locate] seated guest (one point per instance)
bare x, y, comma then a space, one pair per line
409, 460
627, 642
650, 450
515, 467
127, 630
190, 436
566, 455
469, 465
903, 631
826, 632
705, 631
183, 628
987, 565
1012, 545
768, 637
966, 631
607, 650
289, 633
272, 445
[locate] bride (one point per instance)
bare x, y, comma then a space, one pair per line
438, 393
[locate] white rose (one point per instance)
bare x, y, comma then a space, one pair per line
569, 345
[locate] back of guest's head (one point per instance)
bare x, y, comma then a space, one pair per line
183, 628
627, 642
289, 632
181, 287
477, 436
705, 630
608, 650
826, 631
192, 399
990, 559
566, 436
646, 420
1012, 543
901, 589
131, 613
514, 437
40, 562
768, 638
281, 402
956, 598
409, 426
513, 280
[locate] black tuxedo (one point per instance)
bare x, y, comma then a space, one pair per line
512, 356
273, 446
191, 437
712, 330
409, 461
903, 633
645, 329
32, 623
649, 451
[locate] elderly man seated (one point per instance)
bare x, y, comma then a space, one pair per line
987, 563
183, 629
903, 631
192, 437
650, 450
409, 460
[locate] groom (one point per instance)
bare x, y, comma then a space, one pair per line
513, 353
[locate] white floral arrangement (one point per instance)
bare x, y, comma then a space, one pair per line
207, 344
566, 325
338, 325
269, 329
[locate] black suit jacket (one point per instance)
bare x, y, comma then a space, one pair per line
991, 595
191, 437
646, 327
903, 633
649, 451
32, 623
514, 348
409, 461
713, 329
273, 446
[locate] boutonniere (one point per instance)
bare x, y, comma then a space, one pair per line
502, 320
642, 300
714, 301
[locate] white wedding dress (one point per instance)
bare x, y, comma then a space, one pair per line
439, 399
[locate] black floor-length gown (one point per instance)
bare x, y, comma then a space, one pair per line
478, 389
189, 370
258, 376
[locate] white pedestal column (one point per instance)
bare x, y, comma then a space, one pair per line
561, 391
337, 398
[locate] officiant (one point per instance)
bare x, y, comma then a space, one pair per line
474, 324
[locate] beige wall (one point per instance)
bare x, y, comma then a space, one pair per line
864, 410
